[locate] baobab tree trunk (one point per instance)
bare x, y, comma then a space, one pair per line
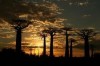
86, 47
71, 49
51, 46
18, 40
44, 49
92, 51
67, 47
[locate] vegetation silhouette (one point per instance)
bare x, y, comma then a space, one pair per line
18, 26
92, 50
86, 34
10, 57
71, 49
42, 12
51, 31
44, 35
66, 29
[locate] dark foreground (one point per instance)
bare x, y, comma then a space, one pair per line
10, 57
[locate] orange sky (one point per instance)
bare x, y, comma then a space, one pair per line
31, 37
57, 52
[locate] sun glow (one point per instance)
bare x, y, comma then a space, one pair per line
35, 46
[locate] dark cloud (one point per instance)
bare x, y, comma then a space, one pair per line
39, 11
75, 9
10, 9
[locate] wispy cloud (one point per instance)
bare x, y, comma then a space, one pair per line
6, 36
86, 15
12, 43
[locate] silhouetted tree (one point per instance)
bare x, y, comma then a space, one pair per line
44, 35
66, 29
86, 34
38, 12
92, 50
19, 25
52, 32
71, 50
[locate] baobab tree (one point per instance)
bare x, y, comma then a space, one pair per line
71, 50
66, 29
86, 34
44, 35
51, 32
20, 24
92, 50
36, 12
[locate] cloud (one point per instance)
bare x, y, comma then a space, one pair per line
83, 3
7, 45
24, 43
12, 43
76, 2
1, 42
6, 36
97, 37
6, 31
38, 11
5, 25
86, 15
28, 38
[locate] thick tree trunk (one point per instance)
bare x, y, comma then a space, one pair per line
44, 43
71, 49
92, 51
67, 47
86, 47
18, 40
51, 46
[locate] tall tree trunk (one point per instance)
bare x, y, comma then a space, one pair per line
92, 51
51, 46
44, 43
86, 47
67, 47
18, 40
71, 49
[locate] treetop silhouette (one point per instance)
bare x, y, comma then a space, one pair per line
86, 34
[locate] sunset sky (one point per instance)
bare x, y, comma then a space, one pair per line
74, 13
